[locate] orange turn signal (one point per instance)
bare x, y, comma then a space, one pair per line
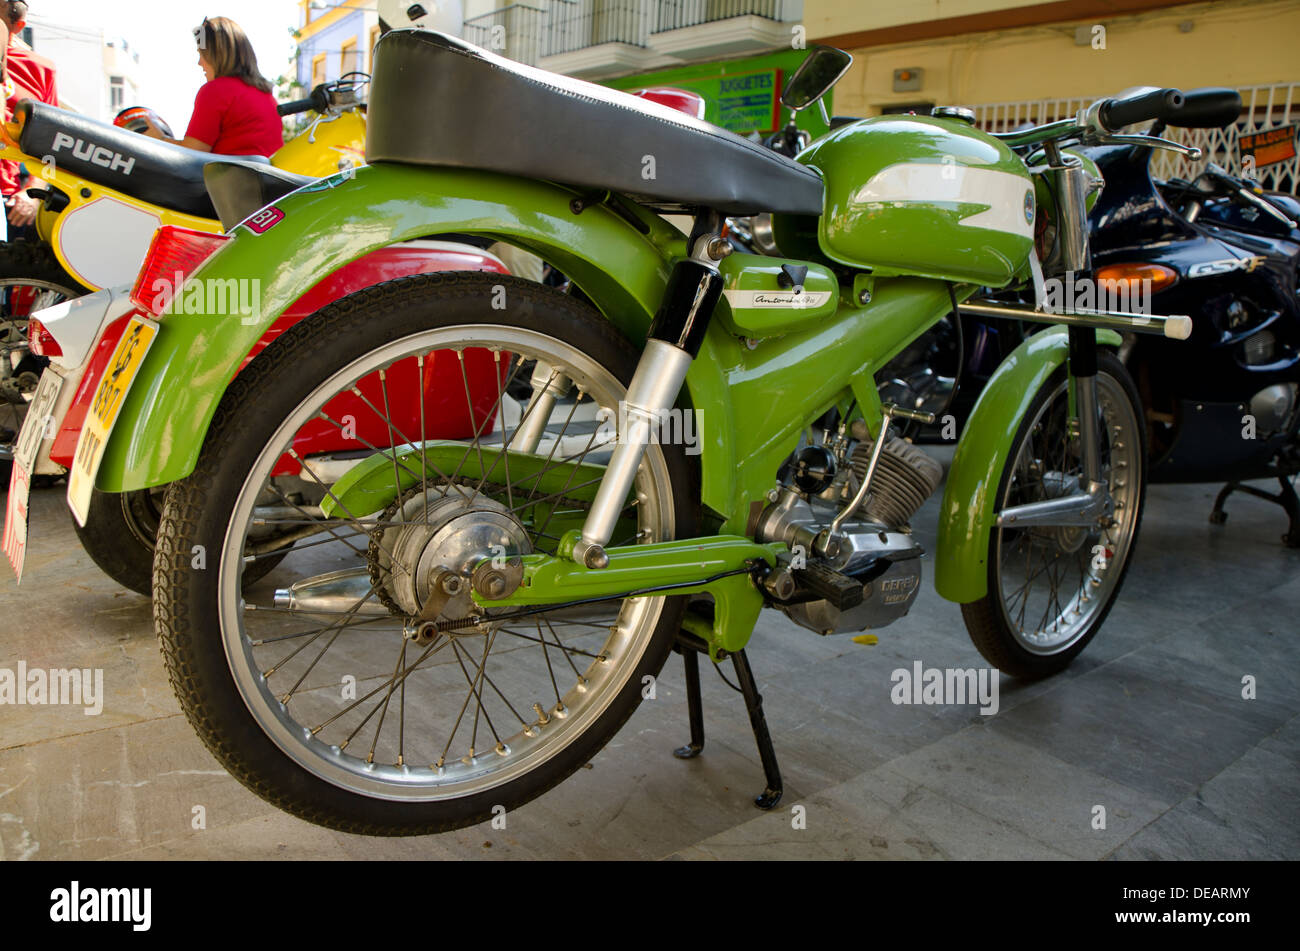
1135, 273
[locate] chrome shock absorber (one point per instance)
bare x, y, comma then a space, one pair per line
674, 340
549, 386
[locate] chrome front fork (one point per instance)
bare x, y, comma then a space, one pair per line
1090, 504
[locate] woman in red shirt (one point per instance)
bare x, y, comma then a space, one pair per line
234, 112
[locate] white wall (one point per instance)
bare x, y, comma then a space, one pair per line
78, 63
83, 62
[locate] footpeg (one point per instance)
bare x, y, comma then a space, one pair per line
839, 590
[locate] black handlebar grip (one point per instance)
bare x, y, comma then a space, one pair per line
295, 107
318, 100
1157, 104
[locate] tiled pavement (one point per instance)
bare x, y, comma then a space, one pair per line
1149, 724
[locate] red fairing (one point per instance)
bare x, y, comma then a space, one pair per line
446, 412
398, 260
683, 100
357, 423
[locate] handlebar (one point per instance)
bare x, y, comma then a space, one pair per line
340, 94
1164, 104
294, 107
318, 100
1097, 124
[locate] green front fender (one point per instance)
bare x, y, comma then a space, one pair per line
164, 420
966, 514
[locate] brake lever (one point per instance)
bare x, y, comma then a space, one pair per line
1155, 142
1237, 188
1265, 206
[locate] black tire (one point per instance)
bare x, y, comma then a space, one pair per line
1001, 641
119, 536
121, 533
22, 261
198, 509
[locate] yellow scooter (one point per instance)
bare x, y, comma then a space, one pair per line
105, 190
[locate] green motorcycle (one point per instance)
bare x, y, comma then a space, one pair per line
694, 436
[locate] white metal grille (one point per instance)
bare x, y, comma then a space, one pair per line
1264, 107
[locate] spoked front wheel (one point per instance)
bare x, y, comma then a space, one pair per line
367, 692
1051, 587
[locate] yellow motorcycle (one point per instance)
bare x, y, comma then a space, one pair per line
105, 190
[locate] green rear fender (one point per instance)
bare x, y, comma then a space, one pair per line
966, 514
166, 415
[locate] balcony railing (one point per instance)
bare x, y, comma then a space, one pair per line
577, 25
529, 31
679, 14
517, 31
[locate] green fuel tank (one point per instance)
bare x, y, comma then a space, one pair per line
931, 197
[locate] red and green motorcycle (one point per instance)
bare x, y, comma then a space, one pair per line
690, 435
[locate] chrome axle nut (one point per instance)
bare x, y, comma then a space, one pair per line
496, 579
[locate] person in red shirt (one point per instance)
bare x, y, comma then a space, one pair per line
234, 111
26, 76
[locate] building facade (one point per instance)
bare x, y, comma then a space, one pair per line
334, 38
339, 36
98, 74
1016, 61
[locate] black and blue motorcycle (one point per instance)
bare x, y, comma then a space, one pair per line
1222, 406
1225, 405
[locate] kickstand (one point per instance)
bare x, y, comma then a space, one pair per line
696, 746
1286, 498
690, 646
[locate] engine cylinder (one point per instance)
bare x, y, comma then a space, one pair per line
905, 477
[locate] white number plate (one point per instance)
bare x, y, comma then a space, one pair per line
37, 427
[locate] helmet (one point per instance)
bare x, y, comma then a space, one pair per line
133, 119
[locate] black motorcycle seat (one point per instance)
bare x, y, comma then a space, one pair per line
156, 172
437, 100
239, 190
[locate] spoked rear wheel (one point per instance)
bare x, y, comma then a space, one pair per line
332, 697
1051, 587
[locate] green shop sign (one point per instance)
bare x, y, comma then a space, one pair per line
749, 102
742, 96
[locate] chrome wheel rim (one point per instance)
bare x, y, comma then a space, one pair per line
1055, 581
497, 724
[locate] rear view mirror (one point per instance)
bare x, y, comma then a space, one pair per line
815, 77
